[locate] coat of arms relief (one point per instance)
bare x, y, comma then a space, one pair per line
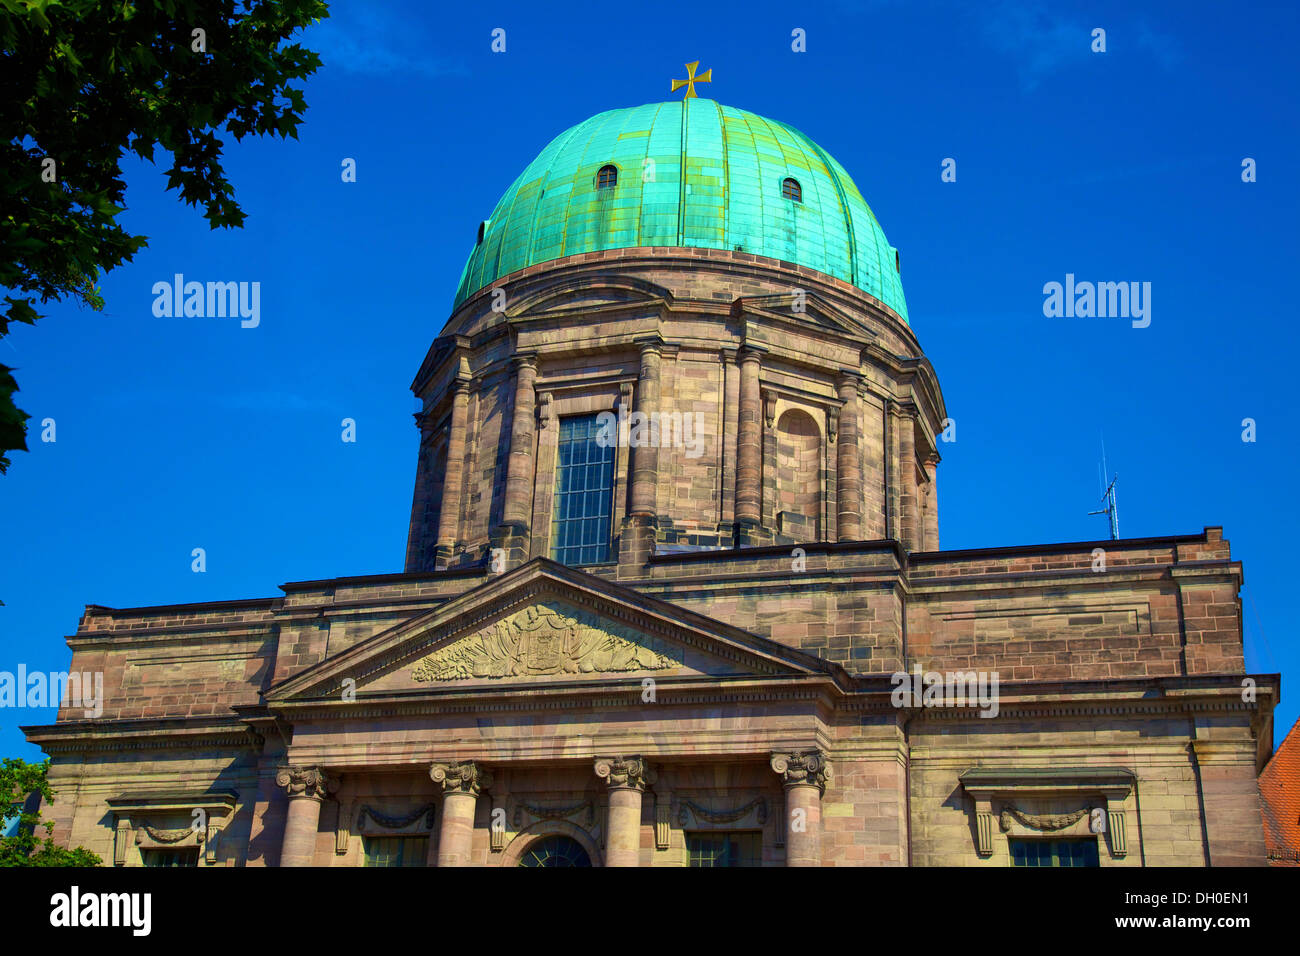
543, 639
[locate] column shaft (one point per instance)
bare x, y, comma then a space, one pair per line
626, 778
300, 831
520, 472
306, 787
623, 844
456, 833
848, 464
932, 506
909, 524
803, 838
804, 776
461, 782
749, 441
453, 477
645, 453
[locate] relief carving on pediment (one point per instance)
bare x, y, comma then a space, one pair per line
546, 639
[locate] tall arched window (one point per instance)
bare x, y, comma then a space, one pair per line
607, 178
790, 189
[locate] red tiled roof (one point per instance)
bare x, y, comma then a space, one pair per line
1279, 791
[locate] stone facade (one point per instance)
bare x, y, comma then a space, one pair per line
730, 670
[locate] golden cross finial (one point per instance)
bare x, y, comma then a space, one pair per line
692, 79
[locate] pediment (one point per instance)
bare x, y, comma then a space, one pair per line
805, 309
585, 294
544, 624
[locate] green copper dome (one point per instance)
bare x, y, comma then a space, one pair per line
731, 197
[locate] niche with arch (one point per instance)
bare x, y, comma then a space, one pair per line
798, 478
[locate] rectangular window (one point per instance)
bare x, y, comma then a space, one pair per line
396, 851
584, 493
741, 848
179, 856
1055, 852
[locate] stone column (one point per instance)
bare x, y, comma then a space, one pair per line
932, 505
520, 474
645, 455
749, 445
804, 776
848, 463
307, 787
627, 778
909, 525
454, 477
461, 783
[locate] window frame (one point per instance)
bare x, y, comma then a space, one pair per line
600, 175
750, 857
555, 550
1054, 845
417, 844
795, 195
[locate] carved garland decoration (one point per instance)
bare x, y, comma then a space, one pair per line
171, 836
396, 823
1045, 822
545, 639
553, 813
721, 816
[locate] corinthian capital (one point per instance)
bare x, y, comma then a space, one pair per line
460, 776
624, 773
807, 768
305, 782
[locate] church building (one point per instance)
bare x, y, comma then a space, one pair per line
674, 593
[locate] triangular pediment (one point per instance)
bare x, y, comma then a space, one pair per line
545, 624
806, 309
584, 294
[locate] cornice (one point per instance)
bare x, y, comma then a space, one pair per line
133, 734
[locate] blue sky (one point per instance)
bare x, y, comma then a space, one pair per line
174, 433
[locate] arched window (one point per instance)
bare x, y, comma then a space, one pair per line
607, 178
482, 230
790, 190
555, 851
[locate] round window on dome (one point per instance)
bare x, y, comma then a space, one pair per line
790, 189
482, 231
607, 178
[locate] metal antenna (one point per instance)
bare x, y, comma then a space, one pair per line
1111, 510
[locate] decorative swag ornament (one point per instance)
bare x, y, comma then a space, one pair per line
1057, 821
